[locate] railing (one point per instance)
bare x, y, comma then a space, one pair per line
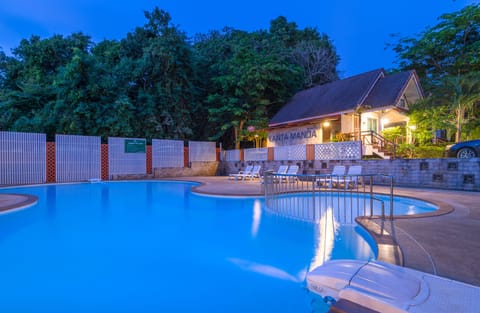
311, 197
373, 138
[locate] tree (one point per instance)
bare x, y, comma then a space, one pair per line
461, 94
249, 76
29, 80
447, 60
159, 60
319, 63
155, 82
253, 76
449, 48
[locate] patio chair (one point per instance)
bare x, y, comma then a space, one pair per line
292, 170
338, 170
351, 179
242, 174
255, 173
282, 169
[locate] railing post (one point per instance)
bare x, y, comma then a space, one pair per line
313, 196
391, 197
371, 196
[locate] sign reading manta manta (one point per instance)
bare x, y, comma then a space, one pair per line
295, 136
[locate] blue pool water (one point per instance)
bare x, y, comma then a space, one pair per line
345, 206
157, 247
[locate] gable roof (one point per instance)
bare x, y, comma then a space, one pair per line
373, 88
388, 90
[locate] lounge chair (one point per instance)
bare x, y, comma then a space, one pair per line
338, 170
255, 173
282, 169
242, 174
352, 177
292, 170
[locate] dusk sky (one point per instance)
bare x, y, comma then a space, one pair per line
359, 29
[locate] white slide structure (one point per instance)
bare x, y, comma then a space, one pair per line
389, 288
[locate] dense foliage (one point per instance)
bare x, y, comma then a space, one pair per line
447, 59
157, 83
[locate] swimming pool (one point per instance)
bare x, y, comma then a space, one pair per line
156, 247
344, 206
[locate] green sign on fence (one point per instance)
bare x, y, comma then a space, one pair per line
135, 146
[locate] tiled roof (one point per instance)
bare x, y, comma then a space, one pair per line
371, 88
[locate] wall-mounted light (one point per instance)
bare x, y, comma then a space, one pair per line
326, 124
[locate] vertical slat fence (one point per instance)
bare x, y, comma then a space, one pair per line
122, 162
22, 158
77, 158
167, 153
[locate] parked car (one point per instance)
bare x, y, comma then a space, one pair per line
464, 150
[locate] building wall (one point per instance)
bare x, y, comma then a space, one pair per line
347, 123
307, 134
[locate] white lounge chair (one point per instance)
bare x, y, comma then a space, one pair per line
282, 169
351, 179
338, 170
241, 174
292, 170
255, 173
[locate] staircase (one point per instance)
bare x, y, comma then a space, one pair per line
383, 154
376, 144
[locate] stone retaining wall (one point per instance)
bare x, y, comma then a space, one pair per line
195, 169
445, 173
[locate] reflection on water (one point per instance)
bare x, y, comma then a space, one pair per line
257, 215
52, 201
326, 231
268, 270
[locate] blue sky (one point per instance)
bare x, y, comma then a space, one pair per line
359, 28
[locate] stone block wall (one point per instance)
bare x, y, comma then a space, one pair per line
195, 169
444, 173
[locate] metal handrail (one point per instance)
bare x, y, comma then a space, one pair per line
318, 189
384, 142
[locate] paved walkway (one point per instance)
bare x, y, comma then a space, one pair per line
447, 245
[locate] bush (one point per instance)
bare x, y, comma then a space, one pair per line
421, 152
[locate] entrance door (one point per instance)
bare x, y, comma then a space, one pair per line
372, 124
326, 133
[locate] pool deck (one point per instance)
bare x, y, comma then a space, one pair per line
446, 245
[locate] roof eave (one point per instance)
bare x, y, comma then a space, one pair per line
309, 119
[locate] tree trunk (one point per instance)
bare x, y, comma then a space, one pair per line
237, 130
458, 135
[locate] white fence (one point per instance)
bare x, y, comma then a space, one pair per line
124, 158
346, 150
256, 154
202, 151
231, 155
22, 158
77, 158
167, 153
296, 152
